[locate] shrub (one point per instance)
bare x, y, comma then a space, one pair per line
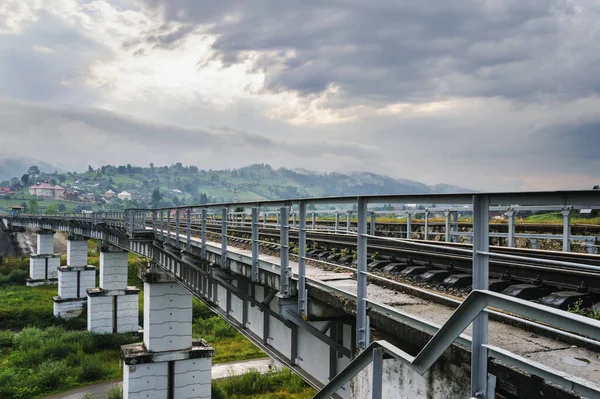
88, 395
90, 369
113, 341
217, 392
4, 280
115, 392
6, 338
8, 380
51, 374
18, 276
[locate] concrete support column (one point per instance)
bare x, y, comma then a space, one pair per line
43, 266
168, 364
74, 280
113, 307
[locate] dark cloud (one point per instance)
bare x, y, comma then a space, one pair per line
391, 50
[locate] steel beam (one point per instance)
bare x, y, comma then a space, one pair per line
255, 244
188, 240
479, 356
284, 254
302, 292
566, 230
408, 226
511, 228
362, 324
224, 237
203, 235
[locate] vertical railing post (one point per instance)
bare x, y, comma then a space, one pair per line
426, 228
534, 243
362, 324
203, 234
255, 244
566, 230
337, 221
168, 226
177, 228
372, 225
302, 294
294, 220
591, 249
265, 219
455, 226
377, 387
348, 220
154, 222
511, 227
447, 227
162, 225
479, 358
284, 255
224, 238
409, 226
314, 220
188, 238
279, 221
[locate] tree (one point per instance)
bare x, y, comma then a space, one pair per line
51, 209
4, 183
62, 178
596, 187
14, 181
90, 169
25, 179
129, 168
175, 201
32, 206
62, 207
156, 197
34, 170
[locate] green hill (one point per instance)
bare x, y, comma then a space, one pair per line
180, 185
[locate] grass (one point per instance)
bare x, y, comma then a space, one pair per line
273, 385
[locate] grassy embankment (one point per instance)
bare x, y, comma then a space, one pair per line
40, 354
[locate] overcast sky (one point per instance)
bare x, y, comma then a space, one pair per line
490, 95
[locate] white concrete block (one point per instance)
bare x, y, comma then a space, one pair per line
147, 381
113, 270
37, 267
45, 244
127, 313
77, 252
67, 282
192, 378
68, 310
99, 314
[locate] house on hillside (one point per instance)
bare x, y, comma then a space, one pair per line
109, 194
124, 195
47, 190
4, 191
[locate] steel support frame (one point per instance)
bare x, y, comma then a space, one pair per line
302, 292
408, 226
337, 221
511, 227
426, 227
479, 355
177, 227
224, 214
348, 220
372, 224
362, 324
447, 227
168, 227
255, 244
284, 253
566, 247
188, 227
203, 234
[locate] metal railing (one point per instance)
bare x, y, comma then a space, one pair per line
472, 310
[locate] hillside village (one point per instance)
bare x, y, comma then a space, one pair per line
114, 188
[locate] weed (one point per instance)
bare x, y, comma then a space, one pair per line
594, 313
51, 374
115, 392
576, 307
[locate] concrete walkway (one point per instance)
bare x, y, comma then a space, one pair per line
222, 370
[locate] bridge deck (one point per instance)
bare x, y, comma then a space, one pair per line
576, 361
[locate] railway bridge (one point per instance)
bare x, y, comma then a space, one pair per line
347, 329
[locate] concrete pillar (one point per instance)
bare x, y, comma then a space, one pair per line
43, 266
113, 307
168, 364
74, 280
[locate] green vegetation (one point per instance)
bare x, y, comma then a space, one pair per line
273, 385
36, 361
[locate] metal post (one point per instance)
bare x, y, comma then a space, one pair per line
376, 389
566, 230
511, 227
294, 220
348, 217
409, 226
168, 226
590, 247
302, 294
425, 232
153, 221
265, 219
203, 234
481, 205
455, 227
255, 244
447, 228
284, 254
314, 221
224, 238
361, 277
534, 243
188, 242
177, 227
162, 225
279, 221
372, 225
337, 221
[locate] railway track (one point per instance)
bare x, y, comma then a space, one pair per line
446, 267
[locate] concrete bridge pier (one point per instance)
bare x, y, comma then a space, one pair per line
43, 266
168, 364
74, 280
113, 307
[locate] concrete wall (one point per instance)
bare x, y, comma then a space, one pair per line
128, 313
77, 253
45, 244
145, 381
401, 382
113, 270
37, 267
167, 317
67, 282
100, 314
192, 378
